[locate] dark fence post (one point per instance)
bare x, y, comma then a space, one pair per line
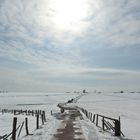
32, 112
120, 123
14, 128
103, 124
26, 126
42, 117
117, 128
37, 121
97, 120
14, 112
93, 118
26, 112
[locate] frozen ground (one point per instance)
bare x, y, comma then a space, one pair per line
125, 105
32, 101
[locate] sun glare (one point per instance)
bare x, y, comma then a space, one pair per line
67, 13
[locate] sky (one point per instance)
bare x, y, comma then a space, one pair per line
68, 45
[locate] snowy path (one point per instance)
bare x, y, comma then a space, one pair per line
70, 127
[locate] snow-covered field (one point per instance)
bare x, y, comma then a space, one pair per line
30, 101
125, 105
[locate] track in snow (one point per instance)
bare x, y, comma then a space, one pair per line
69, 128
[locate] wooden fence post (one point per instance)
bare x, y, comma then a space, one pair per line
117, 128
32, 112
93, 118
14, 112
26, 112
42, 117
14, 128
97, 120
103, 124
26, 126
37, 121
120, 123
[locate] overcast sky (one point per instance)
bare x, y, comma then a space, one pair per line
67, 45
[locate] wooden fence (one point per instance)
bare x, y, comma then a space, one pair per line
17, 129
104, 122
23, 112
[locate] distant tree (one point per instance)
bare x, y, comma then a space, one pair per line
121, 91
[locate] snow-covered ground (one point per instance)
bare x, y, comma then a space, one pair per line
125, 105
31, 101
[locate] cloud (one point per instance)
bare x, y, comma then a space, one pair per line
28, 34
103, 46
63, 78
117, 23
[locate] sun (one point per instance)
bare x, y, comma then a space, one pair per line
68, 13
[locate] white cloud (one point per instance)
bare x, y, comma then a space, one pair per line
26, 26
117, 23
29, 35
67, 79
